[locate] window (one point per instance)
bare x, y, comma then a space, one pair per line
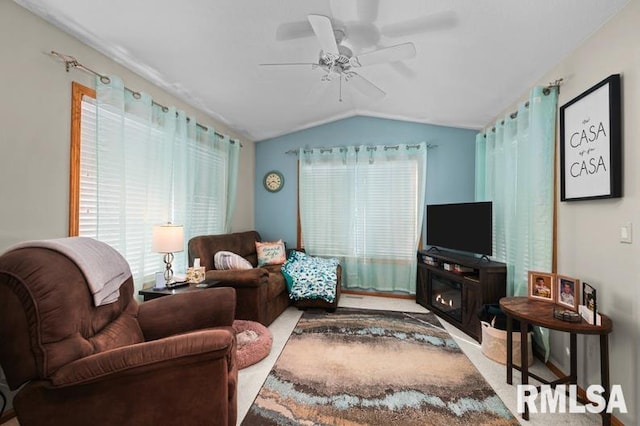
119, 192
382, 198
364, 205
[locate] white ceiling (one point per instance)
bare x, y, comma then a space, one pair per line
474, 57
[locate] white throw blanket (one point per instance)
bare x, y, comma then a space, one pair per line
103, 267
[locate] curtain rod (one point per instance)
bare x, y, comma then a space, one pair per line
70, 61
368, 148
545, 92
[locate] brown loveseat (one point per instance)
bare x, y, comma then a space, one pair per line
261, 293
171, 359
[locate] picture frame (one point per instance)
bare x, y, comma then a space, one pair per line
589, 307
589, 298
591, 143
568, 292
542, 286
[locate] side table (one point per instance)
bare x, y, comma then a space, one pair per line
151, 293
536, 312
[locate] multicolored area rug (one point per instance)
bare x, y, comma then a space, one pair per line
357, 367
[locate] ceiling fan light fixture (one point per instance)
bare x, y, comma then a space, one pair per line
337, 60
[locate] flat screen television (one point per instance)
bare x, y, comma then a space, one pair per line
465, 227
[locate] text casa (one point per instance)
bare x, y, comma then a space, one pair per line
592, 165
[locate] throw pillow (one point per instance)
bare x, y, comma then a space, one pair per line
270, 253
227, 260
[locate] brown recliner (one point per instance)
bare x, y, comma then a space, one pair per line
167, 361
261, 293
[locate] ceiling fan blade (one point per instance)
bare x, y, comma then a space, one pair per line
294, 30
386, 54
364, 86
324, 32
368, 10
436, 21
402, 69
308, 64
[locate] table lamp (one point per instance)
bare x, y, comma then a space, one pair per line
168, 239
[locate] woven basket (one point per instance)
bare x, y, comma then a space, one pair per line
494, 345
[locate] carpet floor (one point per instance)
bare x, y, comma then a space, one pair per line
372, 367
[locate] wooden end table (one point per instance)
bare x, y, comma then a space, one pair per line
540, 313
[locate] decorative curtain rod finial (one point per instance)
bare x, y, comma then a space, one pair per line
69, 61
557, 83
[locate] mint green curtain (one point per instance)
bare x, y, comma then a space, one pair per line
365, 206
232, 152
155, 165
515, 170
205, 180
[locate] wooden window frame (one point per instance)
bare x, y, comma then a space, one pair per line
78, 91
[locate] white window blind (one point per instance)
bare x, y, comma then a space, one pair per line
327, 227
364, 205
360, 210
88, 204
144, 186
386, 215
209, 167
146, 199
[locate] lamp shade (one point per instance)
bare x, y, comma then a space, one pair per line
168, 238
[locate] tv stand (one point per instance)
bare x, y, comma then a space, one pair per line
455, 287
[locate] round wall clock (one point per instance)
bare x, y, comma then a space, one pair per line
273, 181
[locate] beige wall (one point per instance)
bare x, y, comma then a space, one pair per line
589, 244
589, 247
35, 99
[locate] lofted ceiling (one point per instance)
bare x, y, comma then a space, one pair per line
473, 58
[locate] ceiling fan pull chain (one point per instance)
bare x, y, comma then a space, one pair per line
340, 88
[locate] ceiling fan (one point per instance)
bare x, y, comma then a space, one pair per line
338, 61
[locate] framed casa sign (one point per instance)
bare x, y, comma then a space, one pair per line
591, 143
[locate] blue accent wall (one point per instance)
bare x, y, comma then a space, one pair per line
450, 164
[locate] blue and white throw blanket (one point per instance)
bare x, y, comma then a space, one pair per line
310, 277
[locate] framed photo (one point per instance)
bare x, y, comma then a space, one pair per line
589, 297
568, 292
591, 143
542, 286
